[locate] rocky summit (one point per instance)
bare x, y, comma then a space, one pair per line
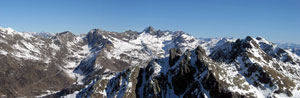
146, 64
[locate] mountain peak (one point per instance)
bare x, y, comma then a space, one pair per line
65, 32
66, 36
100, 31
149, 29
8, 30
260, 38
249, 38
41, 34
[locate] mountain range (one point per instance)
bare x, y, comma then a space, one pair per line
150, 63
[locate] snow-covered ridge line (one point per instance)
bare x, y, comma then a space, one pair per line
146, 54
200, 78
28, 34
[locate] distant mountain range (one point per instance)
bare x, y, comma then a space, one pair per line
150, 63
295, 48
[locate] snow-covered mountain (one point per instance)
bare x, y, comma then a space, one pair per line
295, 48
150, 63
235, 68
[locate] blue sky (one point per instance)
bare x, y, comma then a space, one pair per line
276, 20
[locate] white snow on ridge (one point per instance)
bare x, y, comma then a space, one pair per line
189, 43
47, 92
153, 44
31, 47
73, 95
7, 30
11, 31
3, 52
121, 46
208, 44
24, 53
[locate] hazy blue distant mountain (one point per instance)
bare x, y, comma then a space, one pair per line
295, 48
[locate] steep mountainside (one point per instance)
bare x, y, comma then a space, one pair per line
235, 68
151, 63
32, 65
76, 58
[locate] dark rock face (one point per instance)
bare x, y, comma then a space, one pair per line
235, 49
185, 76
116, 86
194, 74
95, 38
180, 80
174, 56
149, 29
216, 90
152, 31
200, 51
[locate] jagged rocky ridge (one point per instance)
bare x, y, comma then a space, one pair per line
242, 68
151, 63
75, 59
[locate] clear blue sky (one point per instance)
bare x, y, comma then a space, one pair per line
276, 20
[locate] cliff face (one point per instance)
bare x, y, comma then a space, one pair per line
194, 74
